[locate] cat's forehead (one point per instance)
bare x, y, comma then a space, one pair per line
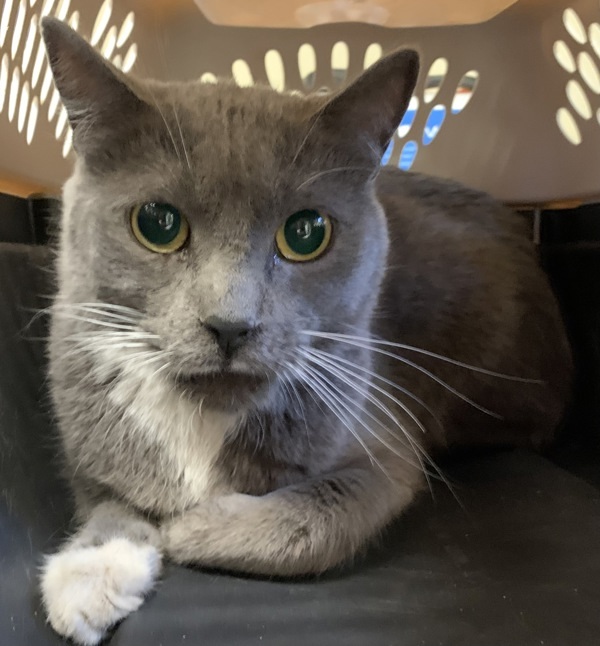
223, 108
239, 139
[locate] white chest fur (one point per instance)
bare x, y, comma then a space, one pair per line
188, 436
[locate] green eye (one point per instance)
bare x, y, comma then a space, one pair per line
159, 227
305, 235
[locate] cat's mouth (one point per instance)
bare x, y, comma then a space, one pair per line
224, 389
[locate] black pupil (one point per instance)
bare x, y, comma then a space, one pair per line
159, 223
305, 231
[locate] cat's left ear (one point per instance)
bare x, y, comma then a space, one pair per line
371, 108
99, 100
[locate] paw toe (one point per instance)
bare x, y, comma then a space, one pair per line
88, 590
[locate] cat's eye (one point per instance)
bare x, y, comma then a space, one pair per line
305, 235
159, 227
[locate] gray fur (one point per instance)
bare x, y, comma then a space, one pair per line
249, 469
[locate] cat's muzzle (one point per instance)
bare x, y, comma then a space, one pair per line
225, 390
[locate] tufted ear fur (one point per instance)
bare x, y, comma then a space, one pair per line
99, 99
371, 108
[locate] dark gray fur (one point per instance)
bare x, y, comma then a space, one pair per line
415, 260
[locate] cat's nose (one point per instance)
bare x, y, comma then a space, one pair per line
229, 335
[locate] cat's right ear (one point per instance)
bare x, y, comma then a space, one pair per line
98, 98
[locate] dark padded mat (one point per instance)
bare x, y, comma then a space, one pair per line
520, 565
517, 565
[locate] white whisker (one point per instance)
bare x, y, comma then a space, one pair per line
416, 366
327, 399
185, 152
113, 328
306, 137
331, 389
371, 398
316, 401
384, 380
411, 348
325, 357
165, 366
111, 306
93, 321
341, 169
168, 128
414, 445
293, 399
111, 336
98, 308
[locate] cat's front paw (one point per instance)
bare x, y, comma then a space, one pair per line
200, 533
88, 590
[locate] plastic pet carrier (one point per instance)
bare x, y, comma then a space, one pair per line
508, 100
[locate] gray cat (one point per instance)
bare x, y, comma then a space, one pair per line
260, 335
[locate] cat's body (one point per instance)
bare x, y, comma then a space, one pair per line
286, 454
460, 267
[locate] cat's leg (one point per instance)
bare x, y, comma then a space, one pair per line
101, 574
296, 530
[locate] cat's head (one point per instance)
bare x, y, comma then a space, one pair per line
231, 220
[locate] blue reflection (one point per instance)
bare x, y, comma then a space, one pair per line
408, 154
388, 153
434, 123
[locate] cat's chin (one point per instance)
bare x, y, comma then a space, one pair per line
225, 390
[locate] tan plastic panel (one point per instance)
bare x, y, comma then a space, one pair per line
41, 163
389, 13
506, 140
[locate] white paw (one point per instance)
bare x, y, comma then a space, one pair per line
87, 590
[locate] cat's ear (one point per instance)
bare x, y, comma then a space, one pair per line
371, 108
97, 97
